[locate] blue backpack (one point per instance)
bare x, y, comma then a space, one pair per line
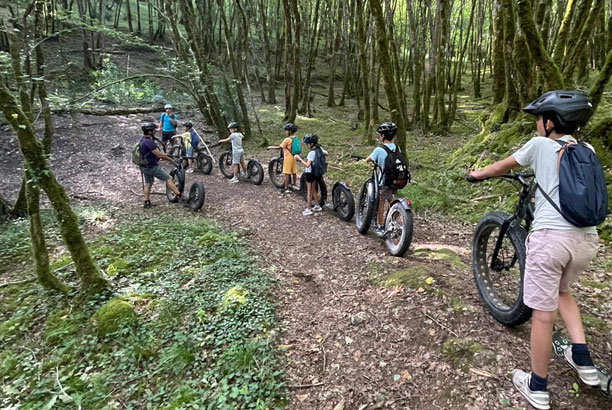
583, 195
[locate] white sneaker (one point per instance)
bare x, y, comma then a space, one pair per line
190, 170
538, 399
307, 212
317, 208
588, 374
294, 187
234, 180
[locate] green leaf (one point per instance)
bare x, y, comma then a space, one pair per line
23, 127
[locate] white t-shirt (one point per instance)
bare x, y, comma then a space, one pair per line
311, 156
541, 154
236, 139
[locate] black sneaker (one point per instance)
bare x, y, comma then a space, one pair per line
147, 204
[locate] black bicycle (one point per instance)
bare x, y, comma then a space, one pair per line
197, 193
498, 254
255, 172
398, 218
275, 171
202, 157
342, 197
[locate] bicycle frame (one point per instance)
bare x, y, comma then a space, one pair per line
524, 211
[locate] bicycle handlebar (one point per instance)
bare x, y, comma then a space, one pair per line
516, 176
357, 157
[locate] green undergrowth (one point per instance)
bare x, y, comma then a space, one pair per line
189, 324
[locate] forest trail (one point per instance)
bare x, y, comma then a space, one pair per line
361, 329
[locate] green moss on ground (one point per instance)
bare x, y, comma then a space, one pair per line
466, 353
412, 277
443, 254
115, 315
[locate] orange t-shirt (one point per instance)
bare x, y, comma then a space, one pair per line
286, 146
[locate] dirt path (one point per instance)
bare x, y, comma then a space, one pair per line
352, 338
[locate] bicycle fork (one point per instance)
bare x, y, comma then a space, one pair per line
502, 232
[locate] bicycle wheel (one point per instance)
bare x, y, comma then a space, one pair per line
196, 196
500, 281
178, 177
365, 208
399, 224
275, 172
205, 163
343, 201
225, 163
255, 172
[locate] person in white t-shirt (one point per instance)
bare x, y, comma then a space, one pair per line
557, 251
237, 151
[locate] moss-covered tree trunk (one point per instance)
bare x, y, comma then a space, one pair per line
508, 20
564, 31
39, 247
577, 53
38, 168
499, 75
363, 61
386, 66
599, 85
297, 68
5, 208
552, 74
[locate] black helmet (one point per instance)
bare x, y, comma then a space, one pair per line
188, 125
569, 110
291, 127
310, 139
148, 126
233, 125
388, 129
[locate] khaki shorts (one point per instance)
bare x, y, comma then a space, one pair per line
289, 165
555, 258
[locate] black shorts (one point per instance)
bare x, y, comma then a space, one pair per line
310, 177
167, 136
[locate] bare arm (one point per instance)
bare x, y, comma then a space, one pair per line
161, 155
277, 147
368, 159
499, 168
224, 140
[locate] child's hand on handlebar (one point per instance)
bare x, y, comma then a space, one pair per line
473, 176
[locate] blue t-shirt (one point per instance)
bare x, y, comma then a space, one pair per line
379, 155
194, 139
147, 146
166, 124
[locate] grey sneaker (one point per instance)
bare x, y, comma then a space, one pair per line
317, 208
294, 187
538, 399
379, 230
588, 374
307, 212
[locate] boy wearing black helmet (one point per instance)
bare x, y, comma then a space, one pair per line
194, 141
386, 132
288, 151
312, 141
557, 251
151, 169
237, 150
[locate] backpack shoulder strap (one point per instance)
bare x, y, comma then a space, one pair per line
387, 149
549, 199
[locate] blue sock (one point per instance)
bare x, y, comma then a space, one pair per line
581, 355
538, 383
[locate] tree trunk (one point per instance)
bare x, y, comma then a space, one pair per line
551, 71
270, 74
499, 73
363, 60
33, 153
600, 83
297, 73
287, 57
386, 65
579, 47
508, 18
39, 247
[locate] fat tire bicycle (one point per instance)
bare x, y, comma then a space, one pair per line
343, 201
398, 219
197, 193
275, 171
255, 172
499, 254
202, 157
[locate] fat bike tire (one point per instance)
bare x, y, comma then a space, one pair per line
365, 209
205, 163
255, 172
178, 177
275, 172
400, 224
197, 194
344, 203
225, 164
510, 311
